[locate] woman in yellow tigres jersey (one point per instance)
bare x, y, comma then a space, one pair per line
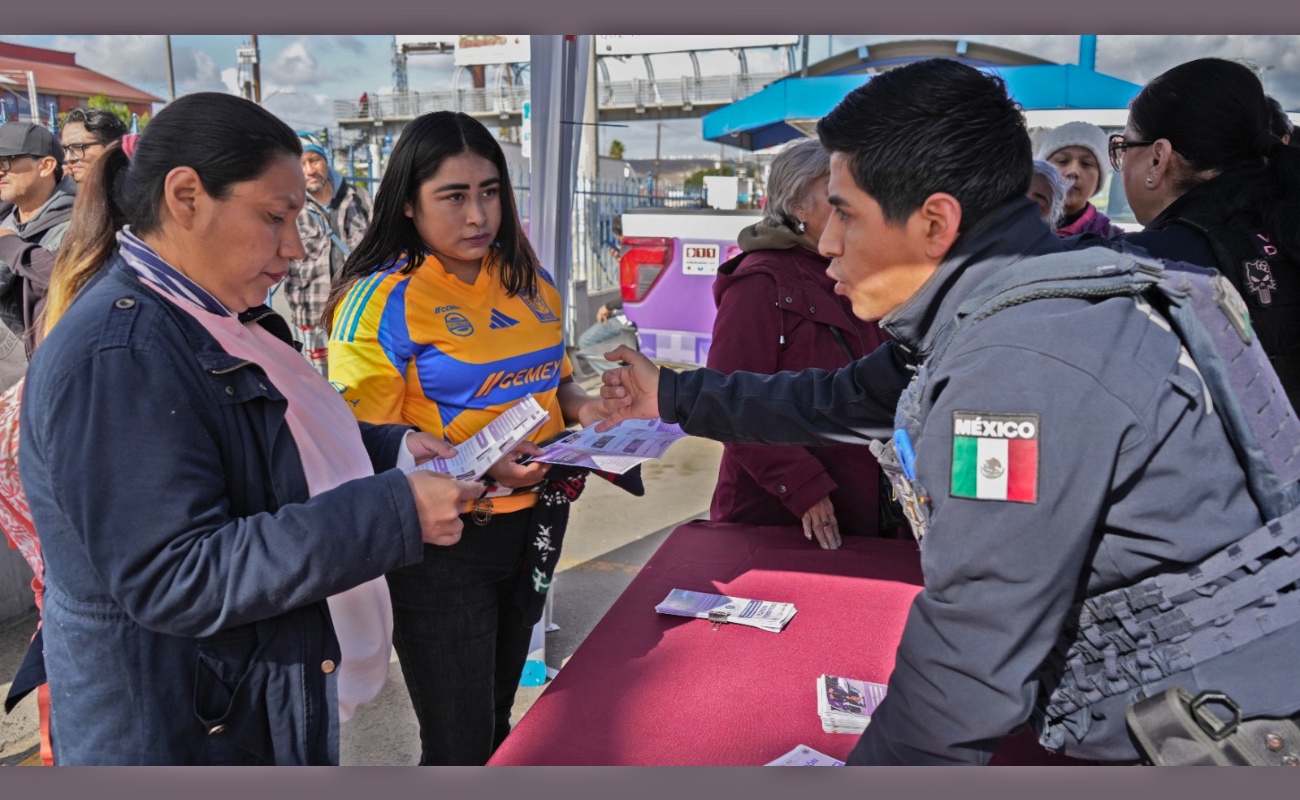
443, 318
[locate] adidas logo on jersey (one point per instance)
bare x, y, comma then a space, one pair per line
500, 321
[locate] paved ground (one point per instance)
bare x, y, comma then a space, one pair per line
611, 535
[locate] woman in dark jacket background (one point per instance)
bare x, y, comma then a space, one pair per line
777, 310
1214, 185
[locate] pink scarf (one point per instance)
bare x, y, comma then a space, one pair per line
329, 442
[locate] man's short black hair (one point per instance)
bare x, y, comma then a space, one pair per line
103, 124
933, 126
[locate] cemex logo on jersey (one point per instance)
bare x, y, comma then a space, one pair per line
523, 377
995, 456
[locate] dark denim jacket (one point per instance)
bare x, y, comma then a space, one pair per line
186, 569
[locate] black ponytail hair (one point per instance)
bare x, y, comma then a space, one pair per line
1216, 116
225, 139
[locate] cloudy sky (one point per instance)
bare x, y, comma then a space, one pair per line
302, 75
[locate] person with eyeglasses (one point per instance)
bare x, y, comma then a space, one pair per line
32, 179
1078, 150
86, 132
1205, 171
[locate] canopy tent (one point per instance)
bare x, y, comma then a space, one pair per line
1051, 94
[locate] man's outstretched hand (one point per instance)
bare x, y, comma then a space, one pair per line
630, 392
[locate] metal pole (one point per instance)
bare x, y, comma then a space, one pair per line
257, 72
803, 73
171, 75
31, 97
1088, 52
659, 128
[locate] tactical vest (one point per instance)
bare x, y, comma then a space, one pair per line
1128, 640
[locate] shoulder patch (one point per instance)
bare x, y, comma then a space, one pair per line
1233, 307
995, 456
1259, 280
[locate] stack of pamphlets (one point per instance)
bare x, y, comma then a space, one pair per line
479, 452
616, 450
846, 705
719, 608
805, 756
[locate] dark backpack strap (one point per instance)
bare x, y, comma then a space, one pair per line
1091, 272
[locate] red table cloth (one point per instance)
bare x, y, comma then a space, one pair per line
650, 689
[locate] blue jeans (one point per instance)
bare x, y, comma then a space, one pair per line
461, 640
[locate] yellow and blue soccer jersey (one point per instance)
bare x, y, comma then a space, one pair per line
427, 349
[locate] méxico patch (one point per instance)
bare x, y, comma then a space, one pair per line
995, 456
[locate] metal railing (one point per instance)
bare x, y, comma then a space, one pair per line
638, 93
597, 205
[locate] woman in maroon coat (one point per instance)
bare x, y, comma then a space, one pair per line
777, 310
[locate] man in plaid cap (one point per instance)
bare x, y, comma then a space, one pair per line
331, 225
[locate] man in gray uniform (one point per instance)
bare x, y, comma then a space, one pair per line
1059, 449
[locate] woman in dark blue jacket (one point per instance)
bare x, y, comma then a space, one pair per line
195, 505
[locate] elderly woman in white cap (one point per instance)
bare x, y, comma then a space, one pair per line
1078, 151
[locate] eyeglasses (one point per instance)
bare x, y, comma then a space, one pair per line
1116, 147
7, 162
78, 151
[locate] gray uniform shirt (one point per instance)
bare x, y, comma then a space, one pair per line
1133, 474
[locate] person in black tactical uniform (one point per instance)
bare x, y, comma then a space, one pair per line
1060, 445
1206, 173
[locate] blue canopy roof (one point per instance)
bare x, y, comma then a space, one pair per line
765, 119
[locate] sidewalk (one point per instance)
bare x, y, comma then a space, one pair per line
19, 731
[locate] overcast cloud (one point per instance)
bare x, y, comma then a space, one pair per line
302, 75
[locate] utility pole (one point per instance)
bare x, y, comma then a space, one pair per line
171, 75
659, 128
31, 97
257, 72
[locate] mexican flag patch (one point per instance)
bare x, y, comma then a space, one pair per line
995, 456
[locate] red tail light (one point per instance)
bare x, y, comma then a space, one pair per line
641, 263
